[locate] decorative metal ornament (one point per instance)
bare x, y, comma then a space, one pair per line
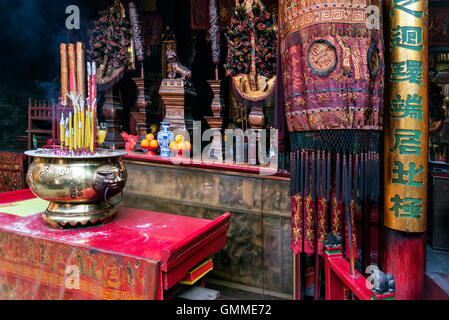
137, 32
111, 68
214, 31
251, 85
264, 87
216, 121
322, 57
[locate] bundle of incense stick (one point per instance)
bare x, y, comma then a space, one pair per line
78, 130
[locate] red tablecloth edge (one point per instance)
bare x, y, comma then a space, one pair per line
15, 196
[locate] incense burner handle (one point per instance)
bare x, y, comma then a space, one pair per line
112, 204
109, 180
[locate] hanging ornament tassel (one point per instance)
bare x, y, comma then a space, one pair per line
362, 178
329, 190
319, 208
321, 220
344, 173
377, 175
309, 225
294, 231
347, 174
296, 242
353, 176
310, 216
366, 231
337, 205
322, 204
299, 198
347, 201
300, 211
358, 207
370, 176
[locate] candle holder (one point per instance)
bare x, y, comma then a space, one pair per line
256, 117
216, 121
143, 104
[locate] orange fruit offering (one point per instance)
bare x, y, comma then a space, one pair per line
187, 146
179, 138
150, 137
182, 145
145, 143
154, 144
173, 145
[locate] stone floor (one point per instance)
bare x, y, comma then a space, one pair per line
437, 261
437, 271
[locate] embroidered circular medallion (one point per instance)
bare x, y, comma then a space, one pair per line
373, 60
322, 57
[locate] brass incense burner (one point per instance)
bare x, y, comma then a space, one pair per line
80, 188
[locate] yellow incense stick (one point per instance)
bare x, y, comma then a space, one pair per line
75, 127
86, 128
67, 137
83, 128
80, 146
67, 133
70, 132
62, 132
73, 138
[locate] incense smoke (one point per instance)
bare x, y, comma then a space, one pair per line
30, 35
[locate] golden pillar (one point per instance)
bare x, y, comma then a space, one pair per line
406, 118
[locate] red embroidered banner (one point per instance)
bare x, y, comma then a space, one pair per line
333, 66
353, 210
199, 14
309, 226
152, 25
297, 225
337, 214
322, 206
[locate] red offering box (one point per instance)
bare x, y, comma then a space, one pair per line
175, 243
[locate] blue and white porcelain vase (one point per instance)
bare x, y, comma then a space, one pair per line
164, 137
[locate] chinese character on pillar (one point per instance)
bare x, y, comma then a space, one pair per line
406, 129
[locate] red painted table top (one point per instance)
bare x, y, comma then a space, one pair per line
170, 239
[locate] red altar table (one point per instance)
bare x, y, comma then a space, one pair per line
139, 255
